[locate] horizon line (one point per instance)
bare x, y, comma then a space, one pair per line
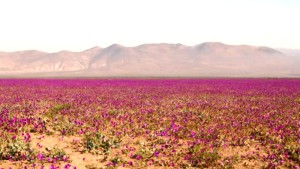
162, 43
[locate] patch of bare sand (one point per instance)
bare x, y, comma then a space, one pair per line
247, 156
71, 146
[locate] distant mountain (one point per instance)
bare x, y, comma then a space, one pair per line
290, 52
210, 59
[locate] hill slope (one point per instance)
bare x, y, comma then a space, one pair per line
211, 59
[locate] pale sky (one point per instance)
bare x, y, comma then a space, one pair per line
76, 25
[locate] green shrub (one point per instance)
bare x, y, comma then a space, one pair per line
96, 141
16, 149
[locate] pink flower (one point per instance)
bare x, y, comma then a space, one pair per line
67, 166
27, 137
40, 157
130, 163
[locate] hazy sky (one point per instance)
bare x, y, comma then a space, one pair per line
53, 25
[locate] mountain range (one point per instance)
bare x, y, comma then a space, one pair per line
210, 59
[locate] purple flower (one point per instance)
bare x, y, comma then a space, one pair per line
40, 157
67, 166
130, 163
138, 157
49, 160
27, 137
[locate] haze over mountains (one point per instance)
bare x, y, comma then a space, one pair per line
211, 59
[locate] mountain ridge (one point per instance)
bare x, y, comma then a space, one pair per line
209, 59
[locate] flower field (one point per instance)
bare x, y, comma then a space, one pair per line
149, 123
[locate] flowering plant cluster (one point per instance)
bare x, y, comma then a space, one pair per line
158, 123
